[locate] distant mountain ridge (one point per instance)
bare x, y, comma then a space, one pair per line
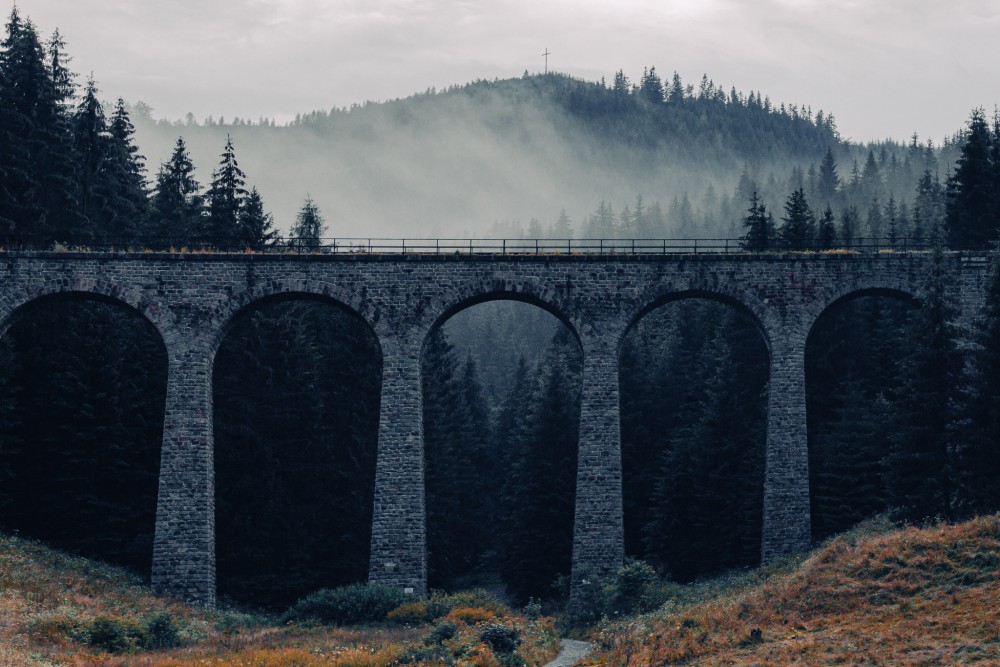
457, 161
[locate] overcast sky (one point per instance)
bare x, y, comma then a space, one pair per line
885, 68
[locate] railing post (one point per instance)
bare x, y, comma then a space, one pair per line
504, 245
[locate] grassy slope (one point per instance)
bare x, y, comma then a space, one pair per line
906, 597
49, 599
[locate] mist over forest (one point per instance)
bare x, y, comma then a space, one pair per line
505, 158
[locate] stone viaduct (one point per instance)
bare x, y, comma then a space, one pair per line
192, 299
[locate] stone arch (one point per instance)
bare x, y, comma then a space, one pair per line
820, 307
153, 312
763, 317
226, 313
223, 319
550, 298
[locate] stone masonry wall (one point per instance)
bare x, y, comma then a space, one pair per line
191, 299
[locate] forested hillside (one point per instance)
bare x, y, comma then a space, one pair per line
904, 410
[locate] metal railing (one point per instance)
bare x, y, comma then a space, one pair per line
491, 246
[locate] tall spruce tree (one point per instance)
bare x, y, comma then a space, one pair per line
759, 225
226, 199
177, 206
799, 229
973, 203
920, 467
307, 232
256, 225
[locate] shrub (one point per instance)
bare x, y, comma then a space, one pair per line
347, 605
115, 635
637, 589
501, 638
440, 632
470, 615
410, 613
591, 600
440, 604
161, 631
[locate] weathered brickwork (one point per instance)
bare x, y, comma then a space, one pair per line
192, 300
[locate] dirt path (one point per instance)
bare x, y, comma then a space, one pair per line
572, 651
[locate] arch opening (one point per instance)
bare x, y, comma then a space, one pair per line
501, 388
82, 396
296, 395
856, 382
693, 381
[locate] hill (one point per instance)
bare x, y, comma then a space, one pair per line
490, 152
58, 609
868, 597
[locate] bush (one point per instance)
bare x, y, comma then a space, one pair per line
637, 589
114, 635
501, 638
347, 605
441, 604
161, 631
410, 613
470, 615
440, 632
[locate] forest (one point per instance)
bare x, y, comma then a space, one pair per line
903, 408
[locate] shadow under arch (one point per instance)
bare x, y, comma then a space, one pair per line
693, 372
651, 302
296, 395
159, 318
854, 371
456, 305
90, 372
246, 301
852, 294
500, 498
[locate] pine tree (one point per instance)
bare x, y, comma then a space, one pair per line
919, 469
226, 199
827, 235
829, 180
307, 232
799, 229
90, 141
256, 226
177, 208
759, 225
39, 204
973, 205
126, 168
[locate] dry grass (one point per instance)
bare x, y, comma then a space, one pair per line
908, 597
48, 601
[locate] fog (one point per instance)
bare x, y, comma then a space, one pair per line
438, 165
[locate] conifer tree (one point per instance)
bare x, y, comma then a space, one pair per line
973, 215
829, 180
307, 232
256, 226
759, 225
127, 176
177, 207
827, 234
799, 229
919, 469
226, 199
39, 204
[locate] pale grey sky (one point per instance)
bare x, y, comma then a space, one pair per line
885, 68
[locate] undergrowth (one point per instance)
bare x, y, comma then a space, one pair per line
872, 596
57, 609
